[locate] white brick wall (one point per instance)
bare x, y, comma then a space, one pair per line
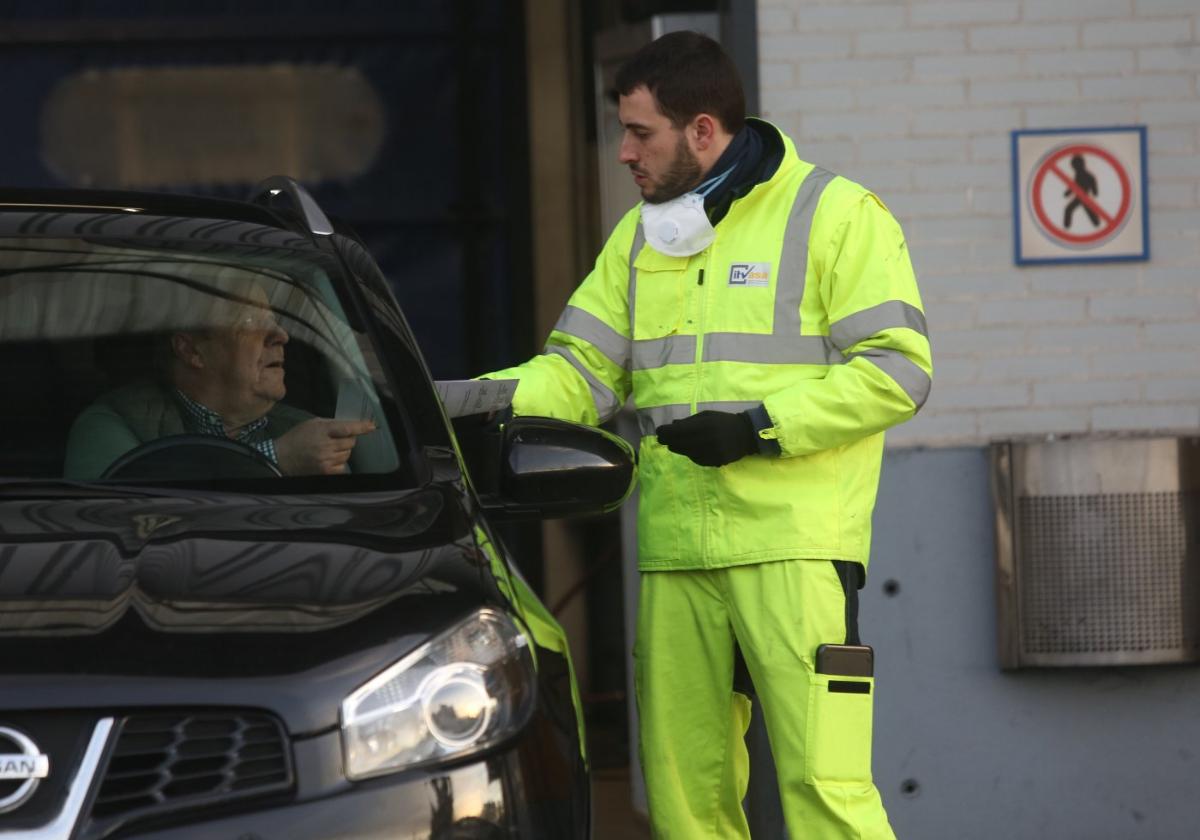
916, 99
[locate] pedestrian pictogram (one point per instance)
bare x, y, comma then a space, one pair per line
1079, 194
1076, 186
1085, 185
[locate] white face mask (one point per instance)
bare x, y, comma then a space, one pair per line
680, 227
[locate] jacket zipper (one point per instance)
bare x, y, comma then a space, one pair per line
699, 337
702, 488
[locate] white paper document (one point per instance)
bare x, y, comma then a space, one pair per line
475, 396
353, 403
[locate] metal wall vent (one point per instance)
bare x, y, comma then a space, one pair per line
1098, 560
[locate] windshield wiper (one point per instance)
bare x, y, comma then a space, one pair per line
41, 488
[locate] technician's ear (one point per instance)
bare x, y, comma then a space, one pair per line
186, 348
703, 131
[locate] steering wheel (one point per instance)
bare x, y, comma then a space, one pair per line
192, 457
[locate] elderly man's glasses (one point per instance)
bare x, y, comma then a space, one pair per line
258, 321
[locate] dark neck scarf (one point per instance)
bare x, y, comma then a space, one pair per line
752, 156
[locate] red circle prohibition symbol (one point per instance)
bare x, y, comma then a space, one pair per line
1112, 221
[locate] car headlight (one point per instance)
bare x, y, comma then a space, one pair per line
456, 694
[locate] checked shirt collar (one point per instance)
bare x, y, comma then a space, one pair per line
205, 421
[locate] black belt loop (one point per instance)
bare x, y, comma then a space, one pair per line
852, 578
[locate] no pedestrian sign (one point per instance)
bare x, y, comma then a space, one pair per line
1079, 195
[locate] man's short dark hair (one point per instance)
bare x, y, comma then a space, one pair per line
688, 74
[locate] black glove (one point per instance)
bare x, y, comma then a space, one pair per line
711, 438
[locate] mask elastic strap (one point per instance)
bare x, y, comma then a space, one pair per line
712, 183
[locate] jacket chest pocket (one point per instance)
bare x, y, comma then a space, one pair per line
659, 299
736, 308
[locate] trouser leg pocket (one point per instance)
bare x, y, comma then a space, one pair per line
837, 748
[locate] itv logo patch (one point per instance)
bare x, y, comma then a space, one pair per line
750, 274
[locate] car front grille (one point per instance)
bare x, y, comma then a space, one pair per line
164, 762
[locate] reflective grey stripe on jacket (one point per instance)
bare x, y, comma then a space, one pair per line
903, 370
889, 315
784, 344
582, 324
639, 239
642, 354
649, 353
606, 401
762, 349
865, 323
651, 418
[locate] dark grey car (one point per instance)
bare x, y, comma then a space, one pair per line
196, 643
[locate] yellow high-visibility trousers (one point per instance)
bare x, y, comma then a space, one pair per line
692, 723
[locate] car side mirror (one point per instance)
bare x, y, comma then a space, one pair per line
551, 469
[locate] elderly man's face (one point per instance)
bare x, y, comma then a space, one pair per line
244, 362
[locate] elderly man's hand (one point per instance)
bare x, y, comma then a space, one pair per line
319, 446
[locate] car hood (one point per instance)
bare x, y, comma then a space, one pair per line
207, 563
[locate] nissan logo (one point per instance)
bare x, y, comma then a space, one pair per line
27, 767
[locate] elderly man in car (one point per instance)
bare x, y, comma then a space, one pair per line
224, 380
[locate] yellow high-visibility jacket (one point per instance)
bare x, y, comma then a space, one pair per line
805, 304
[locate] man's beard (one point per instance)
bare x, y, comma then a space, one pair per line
681, 176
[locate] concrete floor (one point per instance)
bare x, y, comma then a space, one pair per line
613, 814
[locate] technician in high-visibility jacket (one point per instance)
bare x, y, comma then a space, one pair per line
764, 315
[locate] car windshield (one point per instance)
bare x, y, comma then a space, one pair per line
167, 362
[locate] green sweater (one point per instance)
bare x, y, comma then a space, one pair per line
126, 418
